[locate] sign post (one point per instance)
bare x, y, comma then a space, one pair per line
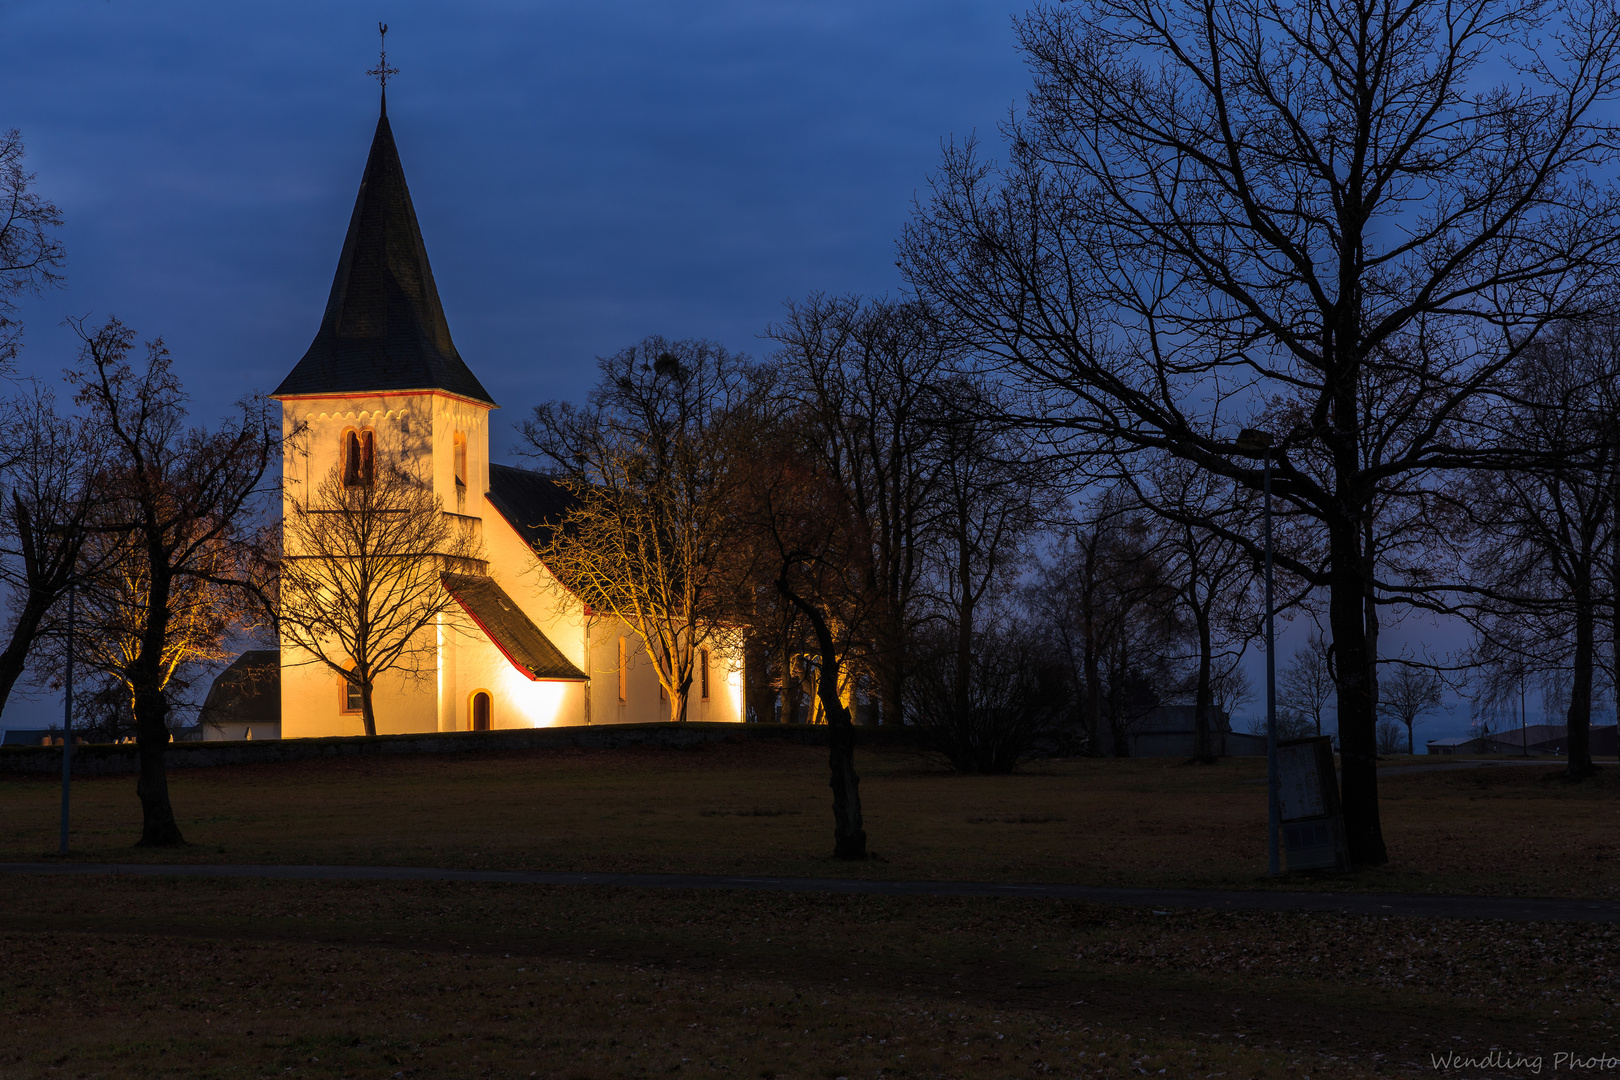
1308, 798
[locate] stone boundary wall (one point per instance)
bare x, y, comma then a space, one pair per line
103, 759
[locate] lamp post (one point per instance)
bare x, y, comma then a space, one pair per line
1252, 440
71, 534
1524, 731
67, 723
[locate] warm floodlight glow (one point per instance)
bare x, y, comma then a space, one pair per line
520, 702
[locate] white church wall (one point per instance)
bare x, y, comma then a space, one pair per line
643, 700
312, 701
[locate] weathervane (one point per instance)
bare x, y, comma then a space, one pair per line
382, 70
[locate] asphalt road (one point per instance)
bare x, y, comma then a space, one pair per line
1518, 909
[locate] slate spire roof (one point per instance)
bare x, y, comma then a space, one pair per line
384, 328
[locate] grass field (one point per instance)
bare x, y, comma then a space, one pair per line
120, 977
766, 809
189, 978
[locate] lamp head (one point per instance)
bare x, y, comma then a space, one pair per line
1254, 441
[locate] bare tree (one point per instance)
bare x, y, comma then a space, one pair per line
31, 256
182, 500
53, 496
864, 378
799, 539
1215, 207
1411, 693
997, 714
1102, 594
1213, 575
205, 610
649, 460
1305, 684
362, 575
1391, 736
1540, 535
992, 494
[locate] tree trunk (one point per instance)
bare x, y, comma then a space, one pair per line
759, 702
1092, 699
1579, 717
368, 715
849, 830
1204, 699
15, 657
964, 661
890, 679
1358, 721
792, 689
1614, 588
158, 827
1122, 745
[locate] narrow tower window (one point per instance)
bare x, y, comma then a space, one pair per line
358, 459
703, 673
624, 670
460, 458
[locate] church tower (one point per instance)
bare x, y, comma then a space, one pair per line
382, 365
381, 377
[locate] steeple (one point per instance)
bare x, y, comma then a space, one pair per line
384, 328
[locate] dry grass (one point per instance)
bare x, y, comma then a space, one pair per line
188, 978
765, 809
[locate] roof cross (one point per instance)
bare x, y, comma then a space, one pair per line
382, 70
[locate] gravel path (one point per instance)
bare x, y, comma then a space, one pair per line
1445, 907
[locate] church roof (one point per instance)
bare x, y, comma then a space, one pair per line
384, 328
523, 643
532, 503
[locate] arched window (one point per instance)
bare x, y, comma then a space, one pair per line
359, 465
482, 710
459, 442
349, 696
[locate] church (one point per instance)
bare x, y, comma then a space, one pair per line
517, 649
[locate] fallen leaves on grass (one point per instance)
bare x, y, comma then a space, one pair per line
1566, 966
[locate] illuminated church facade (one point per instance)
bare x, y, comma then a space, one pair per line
517, 650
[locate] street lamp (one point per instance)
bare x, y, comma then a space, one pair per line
1251, 440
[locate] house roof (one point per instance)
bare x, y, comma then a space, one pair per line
249, 691
384, 328
522, 642
1536, 734
532, 503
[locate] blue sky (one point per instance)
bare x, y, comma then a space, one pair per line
585, 174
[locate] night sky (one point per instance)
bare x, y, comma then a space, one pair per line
585, 174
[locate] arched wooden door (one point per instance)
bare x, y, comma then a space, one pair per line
481, 709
